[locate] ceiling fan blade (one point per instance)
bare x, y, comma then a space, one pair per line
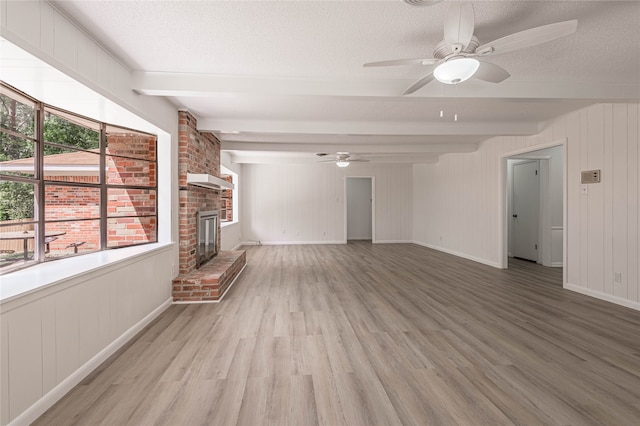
357, 160
491, 72
394, 62
423, 2
528, 38
459, 24
419, 84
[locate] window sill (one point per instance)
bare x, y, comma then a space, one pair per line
36, 278
225, 224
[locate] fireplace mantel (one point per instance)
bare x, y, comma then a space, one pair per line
208, 181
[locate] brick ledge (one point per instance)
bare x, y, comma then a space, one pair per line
212, 279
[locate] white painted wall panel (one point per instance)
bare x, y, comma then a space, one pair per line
25, 357
4, 372
602, 227
87, 57
303, 204
23, 18
47, 29
49, 357
633, 256
49, 335
65, 48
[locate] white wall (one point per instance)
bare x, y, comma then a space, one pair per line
231, 234
301, 203
52, 337
457, 201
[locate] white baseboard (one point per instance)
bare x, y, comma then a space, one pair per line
290, 243
458, 254
557, 264
191, 302
54, 395
393, 242
603, 296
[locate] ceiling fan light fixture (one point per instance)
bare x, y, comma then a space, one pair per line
342, 163
456, 70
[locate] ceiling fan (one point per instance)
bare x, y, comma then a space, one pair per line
342, 159
454, 57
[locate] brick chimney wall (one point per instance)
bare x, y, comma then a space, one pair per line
199, 152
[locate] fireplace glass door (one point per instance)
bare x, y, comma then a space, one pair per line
207, 236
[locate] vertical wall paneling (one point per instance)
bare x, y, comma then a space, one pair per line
572, 226
620, 208
595, 199
584, 201
23, 19
601, 226
306, 203
25, 357
608, 189
67, 332
633, 255
4, 372
87, 57
65, 47
49, 355
47, 42
52, 336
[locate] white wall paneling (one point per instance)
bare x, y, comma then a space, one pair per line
290, 203
601, 227
50, 336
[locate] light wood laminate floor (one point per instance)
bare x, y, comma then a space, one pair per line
363, 334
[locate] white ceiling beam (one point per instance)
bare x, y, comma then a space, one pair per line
413, 159
372, 149
196, 85
367, 128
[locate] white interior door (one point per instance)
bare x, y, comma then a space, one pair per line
359, 210
525, 210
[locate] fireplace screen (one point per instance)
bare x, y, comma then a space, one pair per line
207, 236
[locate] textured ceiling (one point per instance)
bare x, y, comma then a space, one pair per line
287, 76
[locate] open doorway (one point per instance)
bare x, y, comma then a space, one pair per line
534, 205
359, 196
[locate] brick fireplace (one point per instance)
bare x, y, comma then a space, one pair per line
199, 153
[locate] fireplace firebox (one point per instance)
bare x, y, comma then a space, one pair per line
207, 246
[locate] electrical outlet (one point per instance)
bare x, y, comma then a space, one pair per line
617, 277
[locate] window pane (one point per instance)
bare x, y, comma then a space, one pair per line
127, 231
128, 143
60, 130
16, 200
16, 244
130, 202
71, 165
15, 115
128, 171
72, 237
63, 202
16, 156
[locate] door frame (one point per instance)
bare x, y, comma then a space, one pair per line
504, 214
373, 206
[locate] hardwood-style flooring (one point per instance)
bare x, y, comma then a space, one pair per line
364, 334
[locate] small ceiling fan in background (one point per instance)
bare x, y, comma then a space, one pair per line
454, 58
342, 159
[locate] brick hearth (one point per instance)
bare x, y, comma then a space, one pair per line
212, 280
